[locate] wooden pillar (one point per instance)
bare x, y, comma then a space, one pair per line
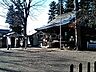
71, 68
4, 42
88, 68
12, 42
80, 67
79, 38
95, 66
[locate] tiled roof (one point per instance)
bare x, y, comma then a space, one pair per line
59, 20
3, 31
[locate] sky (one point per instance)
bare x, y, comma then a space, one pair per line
40, 20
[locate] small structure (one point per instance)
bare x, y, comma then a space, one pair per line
3, 39
15, 38
34, 39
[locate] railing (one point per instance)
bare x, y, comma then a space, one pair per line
80, 67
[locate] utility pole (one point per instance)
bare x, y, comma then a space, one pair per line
60, 25
76, 44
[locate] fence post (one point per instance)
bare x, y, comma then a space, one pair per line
95, 66
80, 67
71, 67
88, 68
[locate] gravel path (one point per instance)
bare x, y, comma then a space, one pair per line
44, 60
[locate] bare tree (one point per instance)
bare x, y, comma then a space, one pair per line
25, 7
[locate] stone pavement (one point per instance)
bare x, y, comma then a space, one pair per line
43, 60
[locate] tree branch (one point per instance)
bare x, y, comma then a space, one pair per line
39, 3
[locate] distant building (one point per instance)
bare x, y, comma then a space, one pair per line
3, 39
17, 40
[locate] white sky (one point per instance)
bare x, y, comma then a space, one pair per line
40, 20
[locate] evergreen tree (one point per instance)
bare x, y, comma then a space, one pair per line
69, 5
52, 11
61, 1
10, 15
88, 8
14, 19
77, 8
60, 7
95, 8
76, 5
17, 25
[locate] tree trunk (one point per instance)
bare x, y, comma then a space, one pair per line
25, 34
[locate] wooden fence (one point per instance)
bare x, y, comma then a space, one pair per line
80, 67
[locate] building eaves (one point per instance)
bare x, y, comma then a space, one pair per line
59, 20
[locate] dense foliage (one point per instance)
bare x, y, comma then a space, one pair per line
69, 6
52, 11
63, 6
87, 13
85, 10
14, 19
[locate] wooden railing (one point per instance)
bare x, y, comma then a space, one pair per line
80, 67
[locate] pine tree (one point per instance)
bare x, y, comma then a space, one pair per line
88, 8
10, 15
17, 25
60, 7
69, 5
77, 8
95, 8
77, 5
14, 19
52, 11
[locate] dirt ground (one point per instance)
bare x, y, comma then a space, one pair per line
44, 60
